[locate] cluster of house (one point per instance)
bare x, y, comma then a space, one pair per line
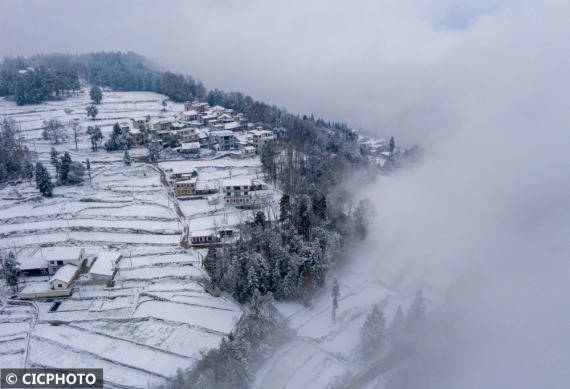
242, 192
199, 127
236, 191
65, 266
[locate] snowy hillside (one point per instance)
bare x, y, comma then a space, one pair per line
157, 317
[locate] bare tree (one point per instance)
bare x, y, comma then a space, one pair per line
54, 131
74, 124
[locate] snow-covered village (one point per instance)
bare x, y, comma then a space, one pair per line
111, 262
286, 194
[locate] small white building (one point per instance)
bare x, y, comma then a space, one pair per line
247, 151
260, 138
32, 262
105, 266
190, 148
232, 126
63, 277
58, 256
188, 116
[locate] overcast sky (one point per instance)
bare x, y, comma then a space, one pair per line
481, 85
380, 65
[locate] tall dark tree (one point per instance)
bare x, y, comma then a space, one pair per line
71, 172
43, 180
11, 271
65, 163
96, 94
54, 156
56, 163
13, 154
92, 111
284, 207
118, 140
28, 172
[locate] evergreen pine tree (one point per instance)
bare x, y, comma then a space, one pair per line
43, 180
252, 281
54, 159
11, 271
335, 296
284, 207
96, 94
76, 173
65, 163
28, 171
54, 155
126, 158
92, 111
372, 333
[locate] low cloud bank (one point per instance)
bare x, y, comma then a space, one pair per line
483, 223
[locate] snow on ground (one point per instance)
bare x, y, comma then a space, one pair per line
157, 316
324, 350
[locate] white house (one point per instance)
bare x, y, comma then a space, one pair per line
260, 138
232, 126
58, 256
188, 116
225, 139
32, 262
190, 148
104, 267
63, 278
236, 192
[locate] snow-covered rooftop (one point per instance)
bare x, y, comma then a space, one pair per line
190, 146
223, 133
60, 253
64, 273
104, 265
237, 182
231, 126
190, 181
260, 132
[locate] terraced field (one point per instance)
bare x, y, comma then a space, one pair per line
157, 317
